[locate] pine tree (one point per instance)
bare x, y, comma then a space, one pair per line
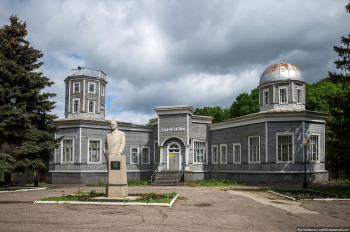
26, 141
339, 122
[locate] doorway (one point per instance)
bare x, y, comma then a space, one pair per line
174, 156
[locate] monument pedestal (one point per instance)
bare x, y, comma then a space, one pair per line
117, 186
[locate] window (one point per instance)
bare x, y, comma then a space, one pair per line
283, 95
200, 152
102, 90
76, 105
253, 149
134, 155
145, 155
314, 145
67, 150
299, 96
237, 153
94, 151
266, 100
156, 153
91, 106
223, 153
284, 148
91, 87
76, 88
214, 154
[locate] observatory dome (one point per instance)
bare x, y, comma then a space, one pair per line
280, 72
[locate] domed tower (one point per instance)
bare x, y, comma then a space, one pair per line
85, 93
282, 87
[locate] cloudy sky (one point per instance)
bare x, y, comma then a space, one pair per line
198, 53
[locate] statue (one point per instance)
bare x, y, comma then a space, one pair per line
117, 184
114, 143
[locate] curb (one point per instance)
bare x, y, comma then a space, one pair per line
25, 190
108, 203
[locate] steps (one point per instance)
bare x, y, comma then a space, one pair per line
167, 177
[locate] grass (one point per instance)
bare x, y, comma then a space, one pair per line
214, 182
152, 197
339, 192
130, 183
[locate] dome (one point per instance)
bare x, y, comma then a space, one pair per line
280, 72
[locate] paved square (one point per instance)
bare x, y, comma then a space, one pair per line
197, 209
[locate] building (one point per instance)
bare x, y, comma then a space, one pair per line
261, 147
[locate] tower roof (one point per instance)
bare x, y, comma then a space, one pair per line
280, 72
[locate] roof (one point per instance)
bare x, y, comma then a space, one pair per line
281, 71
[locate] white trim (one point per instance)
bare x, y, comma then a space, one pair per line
273, 93
301, 97
149, 154
55, 151
266, 143
88, 151
188, 129
279, 95
80, 144
137, 155
94, 106
249, 137
293, 158
223, 145
212, 154
69, 162
180, 156
99, 98
293, 92
304, 153
206, 151
76, 112
264, 91
102, 90
318, 148
234, 155
69, 97
84, 96
94, 84
74, 87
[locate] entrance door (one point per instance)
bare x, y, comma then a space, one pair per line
174, 156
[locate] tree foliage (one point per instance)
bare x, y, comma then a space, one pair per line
25, 119
245, 104
216, 112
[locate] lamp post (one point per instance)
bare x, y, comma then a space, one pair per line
305, 143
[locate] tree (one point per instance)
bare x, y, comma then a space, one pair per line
339, 122
216, 112
26, 141
245, 104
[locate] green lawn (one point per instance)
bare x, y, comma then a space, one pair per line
214, 182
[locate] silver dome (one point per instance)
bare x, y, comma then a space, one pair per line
280, 72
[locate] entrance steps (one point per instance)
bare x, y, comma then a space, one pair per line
167, 177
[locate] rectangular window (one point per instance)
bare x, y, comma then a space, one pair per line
76, 105
237, 153
223, 153
76, 87
214, 154
102, 90
254, 148
134, 155
200, 152
91, 106
283, 95
145, 155
314, 151
94, 151
266, 97
300, 96
156, 153
285, 148
91, 87
67, 150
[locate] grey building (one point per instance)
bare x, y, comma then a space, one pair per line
261, 147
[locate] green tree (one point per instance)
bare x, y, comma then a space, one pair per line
339, 122
245, 104
216, 112
26, 143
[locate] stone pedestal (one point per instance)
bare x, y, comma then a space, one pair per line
117, 179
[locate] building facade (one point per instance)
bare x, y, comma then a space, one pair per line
261, 147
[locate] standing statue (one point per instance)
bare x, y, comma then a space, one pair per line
117, 184
114, 143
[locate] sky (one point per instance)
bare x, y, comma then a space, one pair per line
180, 52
